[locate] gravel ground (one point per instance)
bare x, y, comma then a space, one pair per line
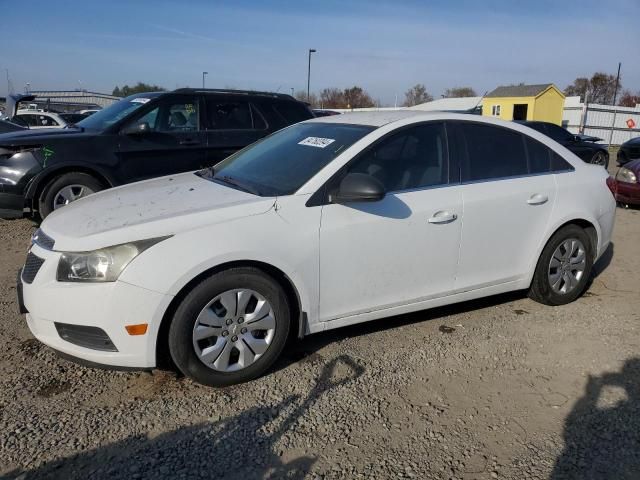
498, 388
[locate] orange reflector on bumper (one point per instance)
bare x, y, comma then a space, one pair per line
139, 329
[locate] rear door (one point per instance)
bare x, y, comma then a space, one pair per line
173, 141
508, 193
230, 124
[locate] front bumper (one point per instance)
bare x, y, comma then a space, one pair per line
106, 306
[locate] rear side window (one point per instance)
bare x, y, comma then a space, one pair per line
228, 115
559, 164
292, 112
491, 152
542, 159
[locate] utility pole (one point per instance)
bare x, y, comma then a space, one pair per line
292, 91
615, 112
203, 74
311, 50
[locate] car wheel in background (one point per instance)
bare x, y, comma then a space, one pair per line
564, 267
65, 189
600, 158
230, 328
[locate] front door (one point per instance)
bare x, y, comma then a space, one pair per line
508, 194
399, 250
170, 142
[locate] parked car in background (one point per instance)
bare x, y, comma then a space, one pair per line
34, 119
327, 223
89, 111
72, 118
586, 149
629, 151
324, 113
626, 183
142, 136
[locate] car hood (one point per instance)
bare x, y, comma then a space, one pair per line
36, 135
149, 209
634, 141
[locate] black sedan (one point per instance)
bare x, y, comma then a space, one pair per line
586, 149
142, 136
629, 151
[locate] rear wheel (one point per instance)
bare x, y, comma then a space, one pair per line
65, 189
600, 158
230, 328
564, 267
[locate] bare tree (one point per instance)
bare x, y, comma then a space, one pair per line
629, 99
356, 97
301, 95
332, 98
599, 88
458, 92
416, 95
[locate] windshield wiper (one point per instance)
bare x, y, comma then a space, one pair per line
236, 183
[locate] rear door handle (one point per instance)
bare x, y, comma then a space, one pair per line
189, 141
537, 199
443, 217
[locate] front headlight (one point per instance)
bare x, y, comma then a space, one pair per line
104, 265
626, 176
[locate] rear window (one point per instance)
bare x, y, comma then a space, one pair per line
292, 112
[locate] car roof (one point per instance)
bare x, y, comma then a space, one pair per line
373, 119
223, 91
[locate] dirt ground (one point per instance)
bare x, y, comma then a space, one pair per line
497, 388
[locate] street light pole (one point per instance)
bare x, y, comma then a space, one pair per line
311, 50
203, 74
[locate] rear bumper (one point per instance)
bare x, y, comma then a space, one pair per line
627, 192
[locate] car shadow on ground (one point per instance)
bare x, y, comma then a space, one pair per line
602, 432
243, 446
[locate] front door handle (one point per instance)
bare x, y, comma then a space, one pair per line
189, 141
443, 217
537, 199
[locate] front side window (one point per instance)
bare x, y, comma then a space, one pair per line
413, 158
281, 163
491, 152
173, 116
106, 117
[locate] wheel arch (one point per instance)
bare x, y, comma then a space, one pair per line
163, 357
37, 184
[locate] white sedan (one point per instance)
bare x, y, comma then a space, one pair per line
330, 222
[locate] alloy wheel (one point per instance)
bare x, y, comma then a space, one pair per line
567, 266
599, 159
69, 194
234, 330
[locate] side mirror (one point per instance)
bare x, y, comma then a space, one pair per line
358, 187
136, 129
575, 139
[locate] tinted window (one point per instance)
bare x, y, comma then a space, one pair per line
28, 119
258, 120
538, 155
281, 163
558, 163
225, 115
413, 158
559, 134
116, 112
491, 152
292, 112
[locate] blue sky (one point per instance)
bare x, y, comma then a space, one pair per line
383, 46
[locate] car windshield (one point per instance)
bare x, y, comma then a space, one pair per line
115, 112
281, 163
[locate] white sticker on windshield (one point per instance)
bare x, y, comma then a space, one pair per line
316, 142
140, 100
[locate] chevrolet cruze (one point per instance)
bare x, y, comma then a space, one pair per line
330, 222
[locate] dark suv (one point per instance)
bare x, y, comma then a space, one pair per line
588, 151
142, 136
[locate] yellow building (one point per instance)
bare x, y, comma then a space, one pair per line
525, 102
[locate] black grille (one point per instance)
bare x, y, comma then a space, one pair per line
31, 267
43, 240
88, 337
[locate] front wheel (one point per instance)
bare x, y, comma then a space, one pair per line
564, 267
600, 158
230, 328
65, 189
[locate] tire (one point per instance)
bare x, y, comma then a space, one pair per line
600, 158
53, 192
542, 289
216, 358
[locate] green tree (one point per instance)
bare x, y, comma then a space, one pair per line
139, 87
416, 95
458, 92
